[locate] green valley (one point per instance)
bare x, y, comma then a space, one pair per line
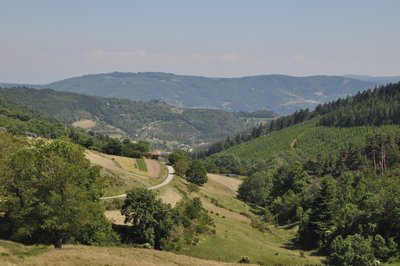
165, 126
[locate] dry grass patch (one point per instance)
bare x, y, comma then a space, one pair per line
88, 256
170, 196
84, 123
115, 216
222, 184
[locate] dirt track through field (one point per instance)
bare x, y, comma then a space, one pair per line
164, 183
153, 168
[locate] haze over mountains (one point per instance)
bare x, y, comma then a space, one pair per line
280, 93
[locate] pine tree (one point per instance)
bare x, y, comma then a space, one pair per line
321, 221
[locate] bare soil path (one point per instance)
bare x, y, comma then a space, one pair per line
153, 168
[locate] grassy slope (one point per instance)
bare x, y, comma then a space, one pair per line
304, 140
234, 235
122, 173
17, 254
142, 165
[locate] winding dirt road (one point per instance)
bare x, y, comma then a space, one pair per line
164, 183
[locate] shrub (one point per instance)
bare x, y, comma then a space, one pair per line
244, 260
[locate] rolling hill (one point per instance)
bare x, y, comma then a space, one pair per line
330, 127
164, 125
279, 93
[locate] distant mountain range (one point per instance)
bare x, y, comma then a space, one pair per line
279, 93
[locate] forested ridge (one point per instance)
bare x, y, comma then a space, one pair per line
373, 107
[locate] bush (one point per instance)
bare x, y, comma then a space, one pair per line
197, 173
244, 260
258, 224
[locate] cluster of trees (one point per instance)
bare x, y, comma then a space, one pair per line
346, 204
225, 164
193, 170
152, 222
50, 194
102, 143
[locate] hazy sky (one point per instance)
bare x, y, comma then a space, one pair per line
44, 41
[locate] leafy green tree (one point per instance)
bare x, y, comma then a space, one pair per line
113, 147
197, 173
149, 219
255, 189
286, 207
52, 196
181, 162
181, 167
228, 164
354, 250
383, 249
176, 156
290, 177
192, 188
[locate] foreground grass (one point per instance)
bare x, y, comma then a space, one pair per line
17, 254
234, 239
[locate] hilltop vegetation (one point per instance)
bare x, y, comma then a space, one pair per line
333, 124
154, 120
21, 122
279, 93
